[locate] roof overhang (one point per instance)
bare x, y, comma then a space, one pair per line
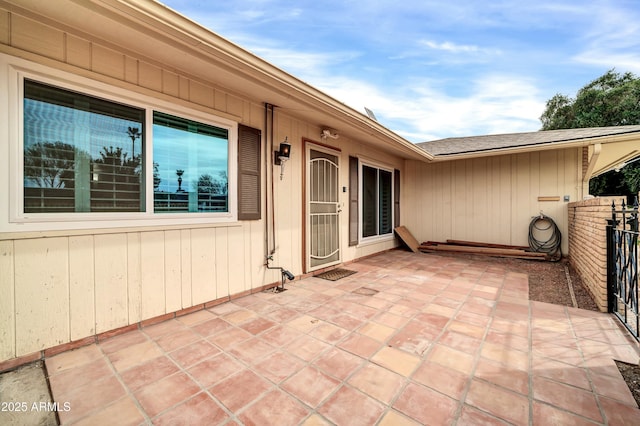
605, 152
151, 31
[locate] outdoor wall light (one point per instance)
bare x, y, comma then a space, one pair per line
282, 155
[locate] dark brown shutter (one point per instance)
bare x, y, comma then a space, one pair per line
249, 161
396, 198
353, 201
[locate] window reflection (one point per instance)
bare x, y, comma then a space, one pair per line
190, 165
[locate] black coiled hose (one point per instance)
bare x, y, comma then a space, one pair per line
553, 245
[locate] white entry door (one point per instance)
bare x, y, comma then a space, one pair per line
323, 224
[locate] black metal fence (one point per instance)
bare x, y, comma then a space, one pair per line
622, 265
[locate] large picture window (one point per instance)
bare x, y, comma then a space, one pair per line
81, 153
190, 166
377, 201
89, 154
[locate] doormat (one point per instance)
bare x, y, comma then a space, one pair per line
335, 274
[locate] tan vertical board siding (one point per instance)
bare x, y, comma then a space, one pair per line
172, 271
237, 260
5, 28
41, 293
152, 276
185, 268
222, 257
108, 62
78, 52
36, 37
7, 311
490, 199
203, 265
150, 76
82, 318
112, 310
134, 277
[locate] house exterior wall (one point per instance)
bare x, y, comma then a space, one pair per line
65, 285
490, 199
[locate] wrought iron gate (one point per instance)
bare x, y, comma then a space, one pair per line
622, 265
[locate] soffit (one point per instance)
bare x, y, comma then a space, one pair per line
152, 31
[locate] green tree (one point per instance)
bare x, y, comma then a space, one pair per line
610, 100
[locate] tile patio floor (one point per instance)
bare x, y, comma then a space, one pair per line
443, 341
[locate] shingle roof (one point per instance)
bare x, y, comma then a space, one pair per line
472, 144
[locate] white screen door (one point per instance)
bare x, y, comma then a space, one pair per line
323, 225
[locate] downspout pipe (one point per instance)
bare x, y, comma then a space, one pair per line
270, 250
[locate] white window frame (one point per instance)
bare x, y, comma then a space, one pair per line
374, 238
13, 71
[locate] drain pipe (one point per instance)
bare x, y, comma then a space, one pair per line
270, 251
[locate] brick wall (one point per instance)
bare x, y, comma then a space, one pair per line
588, 244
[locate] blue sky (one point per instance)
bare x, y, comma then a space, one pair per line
436, 69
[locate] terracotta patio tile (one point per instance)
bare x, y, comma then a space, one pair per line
393, 418
547, 414
466, 328
123, 341
510, 358
620, 414
454, 359
133, 355
173, 341
340, 408
360, 345
213, 370
504, 404
148, 372
89, 399
282, 315
347, 322
315, 420
311, 386
164, 328
377, 382
443, 379
274, 408
304, 323
307, 348
66, 381
72, 359
338, 363
211, 327
513, 341
426, 405
158, 396
225, 340
460, 342
376, 331
572, 399
252, 350
561, 372
200, 409
613, 388
239, 316
497, 374
195, 317
280, 335
396, 360
278, 366
328, 333
257, 325
473, 417
240, 390
194, 353
123, 412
